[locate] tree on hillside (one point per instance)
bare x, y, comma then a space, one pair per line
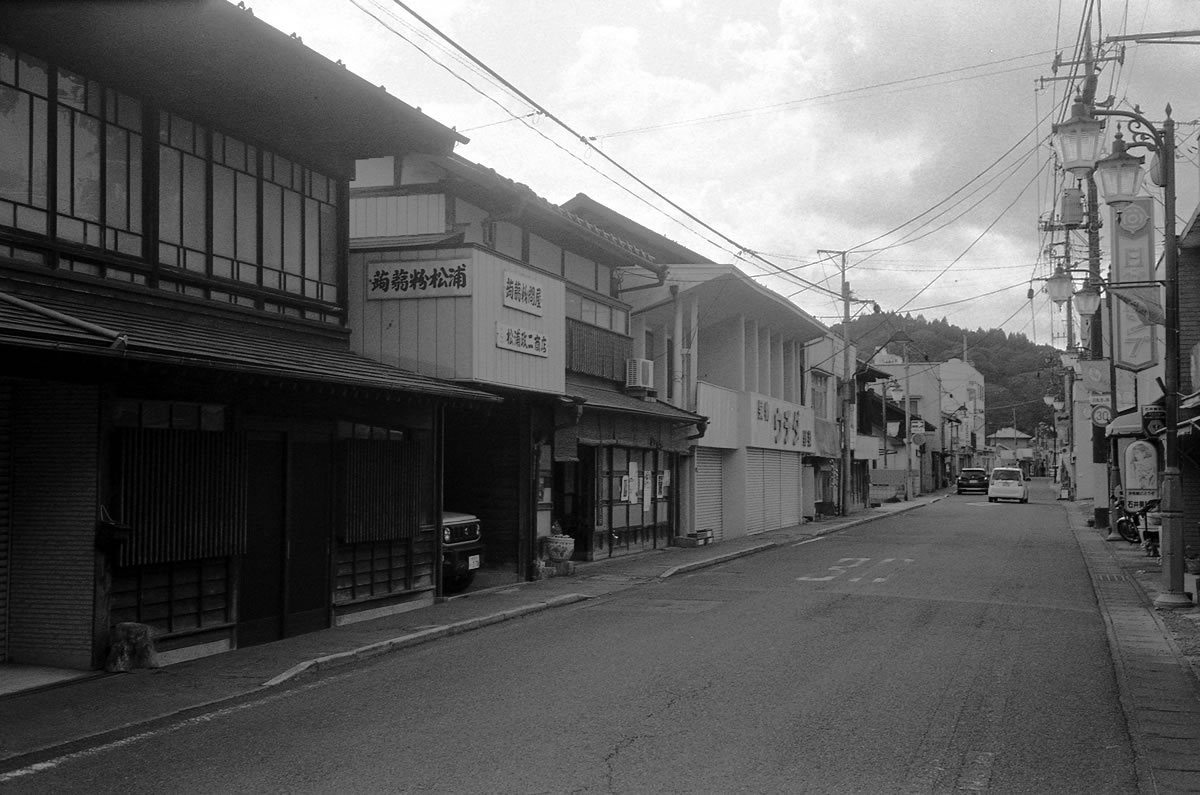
1017, 373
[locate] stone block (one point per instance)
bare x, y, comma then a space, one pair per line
132, 647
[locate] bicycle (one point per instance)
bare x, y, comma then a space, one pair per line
1132, 526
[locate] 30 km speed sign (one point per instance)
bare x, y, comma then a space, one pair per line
1101, 415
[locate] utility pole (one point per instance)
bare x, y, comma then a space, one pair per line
1100, 508
903, 338
907, 428
847, 391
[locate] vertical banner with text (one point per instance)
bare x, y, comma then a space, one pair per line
1137, 309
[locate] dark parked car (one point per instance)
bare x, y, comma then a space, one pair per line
972, 479
462, 550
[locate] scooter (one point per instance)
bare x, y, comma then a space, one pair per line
1132, 527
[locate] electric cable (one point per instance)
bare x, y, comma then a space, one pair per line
593, 148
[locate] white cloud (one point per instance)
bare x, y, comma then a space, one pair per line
831, 141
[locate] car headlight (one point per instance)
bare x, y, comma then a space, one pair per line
446, 534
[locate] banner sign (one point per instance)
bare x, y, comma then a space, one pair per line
1134, 343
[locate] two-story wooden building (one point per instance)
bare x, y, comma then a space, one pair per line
186, 438
460, 273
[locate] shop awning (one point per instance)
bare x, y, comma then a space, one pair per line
605, 415
600, 394
199, 337
1126, 424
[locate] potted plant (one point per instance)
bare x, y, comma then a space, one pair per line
559, 545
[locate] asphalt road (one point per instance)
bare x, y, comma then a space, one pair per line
956, 648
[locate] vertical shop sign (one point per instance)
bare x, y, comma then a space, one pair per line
1137, 308
522, 293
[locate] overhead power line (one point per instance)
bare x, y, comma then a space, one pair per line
778, 106
599, 152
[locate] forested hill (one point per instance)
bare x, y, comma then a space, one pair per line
1017, 373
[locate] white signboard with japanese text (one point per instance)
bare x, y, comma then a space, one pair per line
522, 340
522, 293
779, 425
433, 279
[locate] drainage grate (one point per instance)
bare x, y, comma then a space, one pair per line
1111, 577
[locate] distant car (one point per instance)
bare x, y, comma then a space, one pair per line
972, 479
462, 550
1007, 483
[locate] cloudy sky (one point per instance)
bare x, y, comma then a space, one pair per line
912, 134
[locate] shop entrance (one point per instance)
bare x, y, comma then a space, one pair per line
284, 588
575, 498
622, 500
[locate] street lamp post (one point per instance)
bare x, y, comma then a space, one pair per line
1120, 177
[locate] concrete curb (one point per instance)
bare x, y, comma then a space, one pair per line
417, 638
684, 568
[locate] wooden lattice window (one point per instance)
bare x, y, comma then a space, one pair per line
383, 484
182, 494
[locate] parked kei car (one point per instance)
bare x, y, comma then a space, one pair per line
972, 479
1007, 483
462, 550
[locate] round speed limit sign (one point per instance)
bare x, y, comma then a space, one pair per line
1101, 415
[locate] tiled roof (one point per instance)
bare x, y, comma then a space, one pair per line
474, 171
602, 394
151, 333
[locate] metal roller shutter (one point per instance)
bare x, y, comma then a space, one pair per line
772, 481
5, 508
756, 491
710, 485
789, 489
52, 566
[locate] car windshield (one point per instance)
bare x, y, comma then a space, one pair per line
974, 473
1006, 474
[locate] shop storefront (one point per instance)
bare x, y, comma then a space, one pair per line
224, 487
616, 470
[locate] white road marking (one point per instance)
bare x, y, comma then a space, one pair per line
808, 541
841, 568
50, 764
838, 569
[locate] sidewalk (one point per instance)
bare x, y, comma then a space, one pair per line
1160, 692
49, 722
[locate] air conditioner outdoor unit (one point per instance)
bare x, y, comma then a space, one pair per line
639, 374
